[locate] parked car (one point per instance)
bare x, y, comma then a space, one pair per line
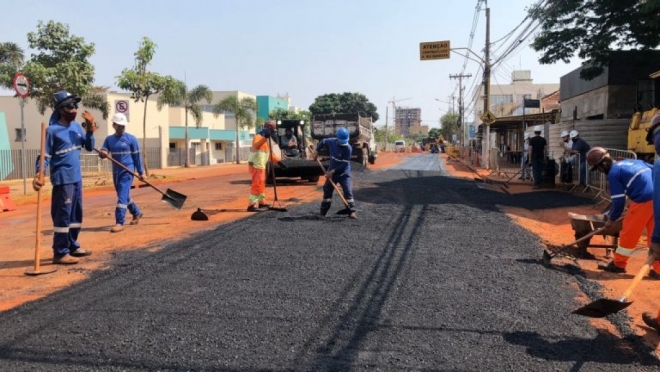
400, 146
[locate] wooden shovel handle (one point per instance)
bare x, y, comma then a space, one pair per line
122, 166
40, 175
333, 184
595, 232
638, 278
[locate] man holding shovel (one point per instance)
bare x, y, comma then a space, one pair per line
339, 170
260, 154
124, 148
632, 179
64, 140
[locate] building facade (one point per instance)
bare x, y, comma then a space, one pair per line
405, 118
266, 104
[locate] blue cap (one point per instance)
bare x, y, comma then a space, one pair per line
342, 136
63, 97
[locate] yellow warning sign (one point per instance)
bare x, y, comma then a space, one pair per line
488, 118
434, 50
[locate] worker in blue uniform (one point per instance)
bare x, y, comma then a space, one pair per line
124, 148
64, 140
339, 170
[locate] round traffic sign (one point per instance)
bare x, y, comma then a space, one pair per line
21, 85
121, 106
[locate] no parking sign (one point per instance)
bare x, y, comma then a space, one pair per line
121, 105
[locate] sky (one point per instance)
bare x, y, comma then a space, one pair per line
296, 47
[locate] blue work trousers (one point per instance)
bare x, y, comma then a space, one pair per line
346, 186
67, 213
123, 181
583, 173
537, 171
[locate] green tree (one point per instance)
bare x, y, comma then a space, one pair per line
345, 103
178, 95
11, 61
143, 84
435, 132
283, 114
594, 29
244, 111
449, 123
61, 62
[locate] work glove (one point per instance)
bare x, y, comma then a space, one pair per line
103, 154
37, 183
282, 165
142, 176
267, 134
329, 173
89, 124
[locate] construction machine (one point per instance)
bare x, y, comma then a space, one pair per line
298, 160
649, 93
361, 134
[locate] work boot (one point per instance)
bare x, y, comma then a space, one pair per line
81, 252
254, 208
651, 320
117, 228
264, 205
612, 268
352, 215
136, 219
654, 275
65, 260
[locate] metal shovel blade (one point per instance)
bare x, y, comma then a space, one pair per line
602, 308
174, 198
198, 215
344, 211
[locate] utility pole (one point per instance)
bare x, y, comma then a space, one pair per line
486, 132
460, 102
387, 109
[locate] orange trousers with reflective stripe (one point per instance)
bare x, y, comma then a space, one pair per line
258, 189
638, 217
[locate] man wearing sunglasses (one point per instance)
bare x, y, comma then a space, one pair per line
64, 140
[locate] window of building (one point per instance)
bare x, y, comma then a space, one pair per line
195, 145
218, 146
172, 146
20, 135
498, 99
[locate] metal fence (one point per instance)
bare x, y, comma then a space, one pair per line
507, 164
597, 181
91, 164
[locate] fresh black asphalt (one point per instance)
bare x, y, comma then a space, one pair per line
431, 277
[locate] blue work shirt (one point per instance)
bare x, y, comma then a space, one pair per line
63, 145
631, 178
124, 149
340, 156
582, 147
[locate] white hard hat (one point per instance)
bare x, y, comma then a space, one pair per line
574, 134
563, 134
537, 128
526, 135
119, 119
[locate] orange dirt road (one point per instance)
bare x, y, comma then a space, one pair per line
214, 187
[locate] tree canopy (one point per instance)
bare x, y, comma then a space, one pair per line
345, 103
283, 114
11, 61
244, 111
61, 62
593, 29
449, 122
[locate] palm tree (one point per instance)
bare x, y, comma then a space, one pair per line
244, 111
11, 60
179, 95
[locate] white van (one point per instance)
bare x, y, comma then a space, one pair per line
400, 146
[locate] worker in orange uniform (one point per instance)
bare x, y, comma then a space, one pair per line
260, 154
633, 179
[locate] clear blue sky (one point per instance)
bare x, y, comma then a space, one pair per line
303, 48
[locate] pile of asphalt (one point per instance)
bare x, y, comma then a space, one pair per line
432, 276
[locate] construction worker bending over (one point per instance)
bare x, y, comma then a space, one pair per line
124, 148
64, 140
632, 179
339, 170
260, 154
652, 319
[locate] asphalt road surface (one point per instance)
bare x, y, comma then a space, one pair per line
432, 276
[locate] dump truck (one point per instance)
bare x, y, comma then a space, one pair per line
361, 134
641, 122
298, 160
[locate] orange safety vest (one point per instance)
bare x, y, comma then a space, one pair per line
260, 151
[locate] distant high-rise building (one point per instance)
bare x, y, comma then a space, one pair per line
406, 117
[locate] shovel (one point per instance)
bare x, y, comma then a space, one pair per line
346, 210
202, 214
604, 307
547, 257
170, 197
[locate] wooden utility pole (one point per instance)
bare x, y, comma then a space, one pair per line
460, 103
486, 131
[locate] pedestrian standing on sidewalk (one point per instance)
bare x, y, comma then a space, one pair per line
627, 179
260, 154
339, 170
653, 137
64, 140
537, 146
124, 148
